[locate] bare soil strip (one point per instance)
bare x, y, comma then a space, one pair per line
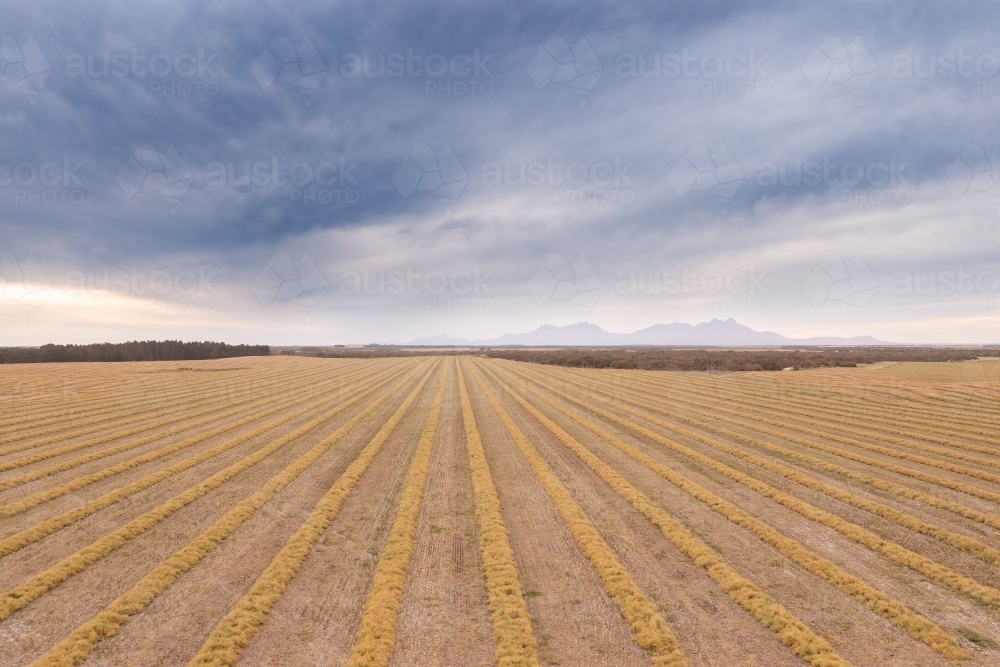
437, 511
75, 648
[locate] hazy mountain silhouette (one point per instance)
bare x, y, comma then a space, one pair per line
716, 332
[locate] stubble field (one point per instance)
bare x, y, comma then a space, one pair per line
416, 511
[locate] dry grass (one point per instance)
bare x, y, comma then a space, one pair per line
827, 410
643, 518
791, 631
968, 544
376, 637
20, 596
235, 631
75, 648
152, 403
516, 645
985, 595
771, 447
19, 540
78, 483
875, 600
648, 629
897, 453
214, 416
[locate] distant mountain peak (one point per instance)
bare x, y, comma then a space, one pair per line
714, 333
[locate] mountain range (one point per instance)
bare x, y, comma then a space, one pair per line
714, 333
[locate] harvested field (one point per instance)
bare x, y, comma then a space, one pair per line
461, 510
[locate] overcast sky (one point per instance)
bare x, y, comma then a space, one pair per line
357, 172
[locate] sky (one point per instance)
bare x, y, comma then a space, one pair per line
347, 172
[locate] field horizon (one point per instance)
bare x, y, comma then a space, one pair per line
459, 509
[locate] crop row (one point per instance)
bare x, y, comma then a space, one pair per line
790, 631
895, 468
376, 637
649, 630
931, 569
843, 393
79, 644
741, 416
874, 599
875, 412
740, 419
847, 473
817, 411
98, 420
267, 391
184, 421
130, 399
926, 424
19, 540
515, 642
239, 626
21, 595
81, 409
838, 421
968, 544
769, 446
77, 483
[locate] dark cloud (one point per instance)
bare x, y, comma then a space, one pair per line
441, 135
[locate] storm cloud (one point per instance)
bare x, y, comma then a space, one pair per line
350, 172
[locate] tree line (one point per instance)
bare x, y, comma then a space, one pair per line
145, 350
702, 359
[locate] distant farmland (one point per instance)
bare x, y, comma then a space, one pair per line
462, 510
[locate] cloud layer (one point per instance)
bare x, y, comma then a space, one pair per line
358, 173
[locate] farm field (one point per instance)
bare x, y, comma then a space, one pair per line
459, 510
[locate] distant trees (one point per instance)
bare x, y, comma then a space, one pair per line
737, 359
145, 350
